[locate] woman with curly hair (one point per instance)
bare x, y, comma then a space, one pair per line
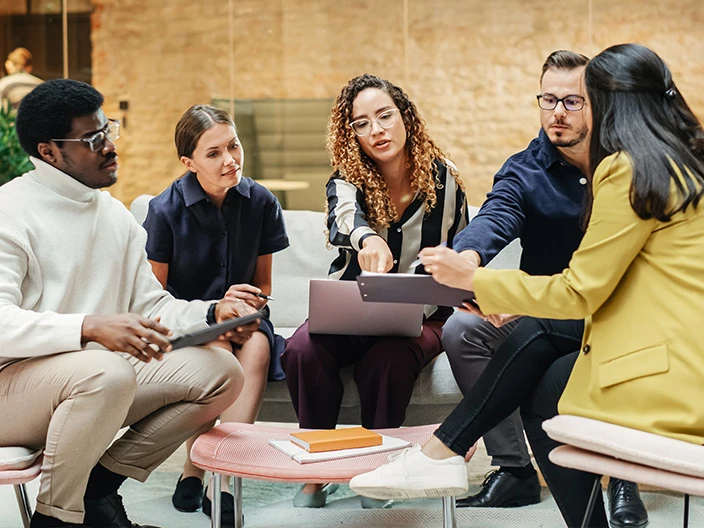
392, 194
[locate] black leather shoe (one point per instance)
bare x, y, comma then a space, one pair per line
500, 489
109, 512
626, 509
188, 495
227, 501
39, 521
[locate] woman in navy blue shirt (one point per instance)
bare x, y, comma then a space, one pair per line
212, 234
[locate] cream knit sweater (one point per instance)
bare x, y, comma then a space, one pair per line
67, 251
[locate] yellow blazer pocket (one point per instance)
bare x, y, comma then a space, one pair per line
645, 362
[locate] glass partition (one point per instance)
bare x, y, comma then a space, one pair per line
284, 144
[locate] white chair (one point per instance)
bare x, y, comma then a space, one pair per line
606, 449
19, 465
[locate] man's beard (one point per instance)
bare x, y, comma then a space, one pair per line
82, 178
582, 134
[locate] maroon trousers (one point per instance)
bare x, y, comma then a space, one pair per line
385, 370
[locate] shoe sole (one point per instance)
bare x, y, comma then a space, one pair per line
615, 525
185, 510
527, 501
395, 493
522, 502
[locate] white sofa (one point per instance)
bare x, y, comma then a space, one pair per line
435, 393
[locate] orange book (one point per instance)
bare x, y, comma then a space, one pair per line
335, 439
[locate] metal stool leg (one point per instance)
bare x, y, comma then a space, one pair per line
686, 510
23, 503
449, 520
238, 503
216, 513
596, 489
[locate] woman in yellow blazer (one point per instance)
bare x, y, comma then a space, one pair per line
637, 279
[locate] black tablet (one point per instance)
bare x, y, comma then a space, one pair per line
410, 288
210, 333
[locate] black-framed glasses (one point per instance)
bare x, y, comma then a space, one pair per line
385, 119
96, 142
571, 103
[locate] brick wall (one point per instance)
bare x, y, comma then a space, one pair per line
472, 66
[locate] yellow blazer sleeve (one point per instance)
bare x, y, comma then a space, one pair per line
614, 237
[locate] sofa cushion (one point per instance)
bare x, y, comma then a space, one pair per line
308, 257
140, 206
15, 458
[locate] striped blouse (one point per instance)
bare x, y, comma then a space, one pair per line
415, 230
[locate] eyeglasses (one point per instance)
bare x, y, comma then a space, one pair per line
571, 103
96, 142
386, 119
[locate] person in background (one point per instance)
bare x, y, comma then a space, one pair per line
212, 234
538, 196
393, 193
642, 242
19, 81
85, 326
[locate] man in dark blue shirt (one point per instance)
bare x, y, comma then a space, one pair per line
538, 196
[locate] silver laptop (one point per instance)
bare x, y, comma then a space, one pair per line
336, 307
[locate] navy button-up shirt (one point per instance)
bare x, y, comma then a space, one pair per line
538, 197
209, 249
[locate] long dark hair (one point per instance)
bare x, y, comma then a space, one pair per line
637, 109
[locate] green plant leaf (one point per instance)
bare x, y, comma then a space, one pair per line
13, 160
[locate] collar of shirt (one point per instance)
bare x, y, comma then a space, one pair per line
194, 193
548, 154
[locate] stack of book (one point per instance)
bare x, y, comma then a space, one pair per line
330, 444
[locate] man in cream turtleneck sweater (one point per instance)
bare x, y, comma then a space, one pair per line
84, 324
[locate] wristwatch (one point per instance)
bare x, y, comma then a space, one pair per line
210, 317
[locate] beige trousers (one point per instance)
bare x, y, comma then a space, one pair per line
73, 405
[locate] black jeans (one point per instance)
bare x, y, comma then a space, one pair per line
529, 371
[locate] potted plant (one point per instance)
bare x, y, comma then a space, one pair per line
13, 160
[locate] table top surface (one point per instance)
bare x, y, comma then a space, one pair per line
284, 185
243, 450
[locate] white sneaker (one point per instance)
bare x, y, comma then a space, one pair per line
411, 475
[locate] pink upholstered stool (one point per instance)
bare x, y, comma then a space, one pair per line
606, 449
243, 451
18, 478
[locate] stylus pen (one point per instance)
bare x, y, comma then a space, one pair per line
262, 296
418, 261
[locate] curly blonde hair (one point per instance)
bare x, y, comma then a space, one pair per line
360, 170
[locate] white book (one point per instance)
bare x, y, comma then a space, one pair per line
302, 456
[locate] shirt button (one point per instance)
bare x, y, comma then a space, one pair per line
222, 264
395, 261
586, 348
583, 181
398, 229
